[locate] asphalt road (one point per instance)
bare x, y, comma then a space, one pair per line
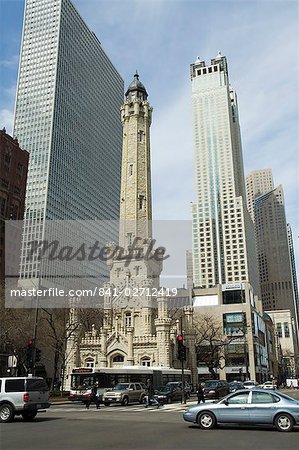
73, 427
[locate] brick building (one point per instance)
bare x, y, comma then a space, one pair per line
13, 177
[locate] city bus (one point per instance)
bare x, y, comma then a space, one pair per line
82, 378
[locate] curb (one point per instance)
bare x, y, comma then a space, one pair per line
60, 403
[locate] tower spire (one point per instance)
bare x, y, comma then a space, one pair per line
135, 201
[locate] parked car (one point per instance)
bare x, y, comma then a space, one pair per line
169, 393
253, 407
187, 386
235, 386
22, 396
268, 385
250, 384
125, 393
215, 389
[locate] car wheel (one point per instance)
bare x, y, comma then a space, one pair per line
125, 401
142, 400
206, 420
6, 413
284, 422
106, 403
28, 416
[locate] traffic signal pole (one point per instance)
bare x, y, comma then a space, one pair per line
182, 357
183, 383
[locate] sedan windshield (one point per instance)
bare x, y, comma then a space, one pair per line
211, 384
121, 387
165, 389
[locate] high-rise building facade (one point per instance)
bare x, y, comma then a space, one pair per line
277, 291
293, 265
258, 182
223, 234
225, 272
67, 117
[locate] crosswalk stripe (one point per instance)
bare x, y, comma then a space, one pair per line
118, 410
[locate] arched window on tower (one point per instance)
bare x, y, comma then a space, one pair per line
128, 319
140, 201
118, 358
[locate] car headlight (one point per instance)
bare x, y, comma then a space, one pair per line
211, 392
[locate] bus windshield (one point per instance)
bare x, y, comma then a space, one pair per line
82, 381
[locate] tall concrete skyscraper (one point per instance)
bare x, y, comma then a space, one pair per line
274, 259
223, 235
258, 182
67, 116
293, 265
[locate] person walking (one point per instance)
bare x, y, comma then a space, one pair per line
94, 397
151, 400
200, 394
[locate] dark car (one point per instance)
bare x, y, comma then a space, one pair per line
169, 393
187, 386
215, 389
235, 386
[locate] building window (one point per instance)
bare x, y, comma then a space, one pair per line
141, 136
140, 201
89, 363
286, 330
131, 169
145, 361
230, 297
128, 319
234, 323
118, 359
129, 238
279, 329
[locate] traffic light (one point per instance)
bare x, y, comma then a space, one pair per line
37, 355
182, 351
30, 352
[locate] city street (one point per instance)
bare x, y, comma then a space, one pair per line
74, 427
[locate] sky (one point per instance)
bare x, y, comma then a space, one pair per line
161, 39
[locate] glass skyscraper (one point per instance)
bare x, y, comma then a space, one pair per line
223, 235
67, 116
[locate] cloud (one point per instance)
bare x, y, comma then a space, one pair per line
11, 62
172, 158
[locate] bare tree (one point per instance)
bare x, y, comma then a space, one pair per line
211, 343
55, 330
16, 328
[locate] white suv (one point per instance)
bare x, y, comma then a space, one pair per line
22, 395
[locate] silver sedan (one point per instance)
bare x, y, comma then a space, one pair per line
251, 407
